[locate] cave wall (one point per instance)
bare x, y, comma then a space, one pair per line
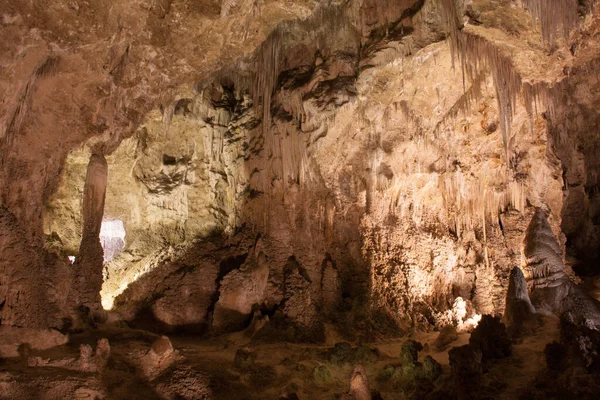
350, 153
86, 73
370, 162
574, 132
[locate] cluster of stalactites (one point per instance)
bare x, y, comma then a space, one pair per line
478, 55
481, 54
554, 16
471, 203
349, 20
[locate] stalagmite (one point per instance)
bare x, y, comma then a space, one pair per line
552, 290
87, 283
519, 310
359, 385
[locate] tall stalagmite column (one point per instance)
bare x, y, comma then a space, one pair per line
85, 292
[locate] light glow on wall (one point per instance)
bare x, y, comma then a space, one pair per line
112, 238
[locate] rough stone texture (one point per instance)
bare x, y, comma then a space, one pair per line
359, 385
553, 292
330, 287
181, 287
87, 282
184, 383
298, 306
446, 336
94, 361
30, 300
491, 339
160, 357
343, 135
239, 291
519, 311
583, 340
466, 370
573, 133
75, 71
89, 361
11, 339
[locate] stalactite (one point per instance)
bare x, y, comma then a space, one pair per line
472, 201
464, 102
451, 21
554, 16
47, 67
476, 53
266, 67
479, 54
413, 119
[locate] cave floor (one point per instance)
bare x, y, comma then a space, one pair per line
260, 370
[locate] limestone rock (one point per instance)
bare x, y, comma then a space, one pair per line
519, 311
299, 308
321, 375
239, 291
359, 385
259, 321
447, 335
93, 361
330, 287
89, 361
11, 339
160, 357
178, 294
466, 370
553, 291
184, 383
582, 339
491, 339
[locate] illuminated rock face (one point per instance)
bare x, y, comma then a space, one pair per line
347, 163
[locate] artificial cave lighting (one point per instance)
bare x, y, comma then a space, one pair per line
112, 238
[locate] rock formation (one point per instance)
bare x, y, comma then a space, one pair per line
359, 385
519, 311
301, 171
239, 291
87, 281
553, 292
263, 145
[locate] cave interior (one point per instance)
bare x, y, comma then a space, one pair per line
299, 199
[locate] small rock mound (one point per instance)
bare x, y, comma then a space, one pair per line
465, 369
160, 357
321, 375
415, 379
344, 353
448, 334
185, 384
359, 385
491, 339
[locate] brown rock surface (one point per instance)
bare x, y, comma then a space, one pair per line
361, 168
11, 339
